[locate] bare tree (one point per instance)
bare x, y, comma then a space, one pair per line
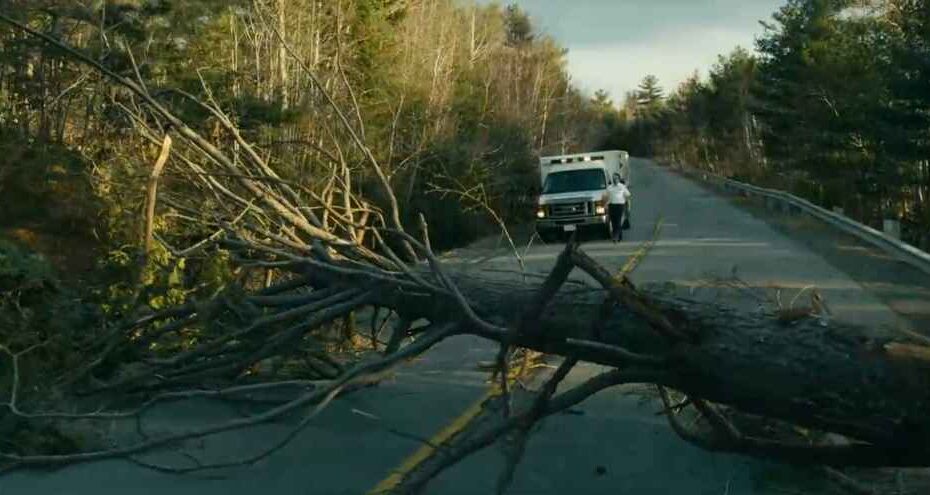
836, 379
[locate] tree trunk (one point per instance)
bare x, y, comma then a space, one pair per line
836, 378
282, 56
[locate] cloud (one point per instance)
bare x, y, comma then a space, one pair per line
614, 43
619, 67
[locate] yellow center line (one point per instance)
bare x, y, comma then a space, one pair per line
463, 420
440, 438
634, 260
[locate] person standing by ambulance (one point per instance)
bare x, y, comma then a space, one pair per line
617, 208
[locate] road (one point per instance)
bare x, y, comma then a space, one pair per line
613, 443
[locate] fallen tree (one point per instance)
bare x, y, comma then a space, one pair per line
835, 378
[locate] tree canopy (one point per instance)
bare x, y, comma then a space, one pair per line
831, 106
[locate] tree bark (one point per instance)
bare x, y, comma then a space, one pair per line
836, 378
151, 194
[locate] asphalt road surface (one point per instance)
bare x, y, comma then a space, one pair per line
613, 443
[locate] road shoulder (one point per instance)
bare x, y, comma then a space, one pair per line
903, 288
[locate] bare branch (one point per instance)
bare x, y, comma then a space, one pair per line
483, 203
321, 396
152, 193
629, 297
394, 208
452, 455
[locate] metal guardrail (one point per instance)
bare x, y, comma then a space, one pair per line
787, 202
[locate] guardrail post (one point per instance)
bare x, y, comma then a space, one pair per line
892, 228
838, 209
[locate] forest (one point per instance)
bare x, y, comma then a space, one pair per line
206, 199
451, 102
134, 133
832, 105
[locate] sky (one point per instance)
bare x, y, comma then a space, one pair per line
612, 44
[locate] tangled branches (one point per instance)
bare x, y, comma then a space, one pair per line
332, 260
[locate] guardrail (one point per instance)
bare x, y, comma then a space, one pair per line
783, 201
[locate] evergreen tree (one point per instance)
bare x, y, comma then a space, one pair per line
519, 26
649, 95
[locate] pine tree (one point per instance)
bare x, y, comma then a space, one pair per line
519, 26
649, 95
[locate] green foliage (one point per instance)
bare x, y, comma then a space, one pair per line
519, 26
37, 311
649, 95
443, 94
820, 86
503, 179
834, 108
44, 182
21, 270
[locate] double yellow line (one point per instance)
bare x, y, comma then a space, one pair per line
463, 420
426, 451
641, 253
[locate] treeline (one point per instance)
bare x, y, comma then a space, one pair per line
450, 98
834, 107
450, 101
